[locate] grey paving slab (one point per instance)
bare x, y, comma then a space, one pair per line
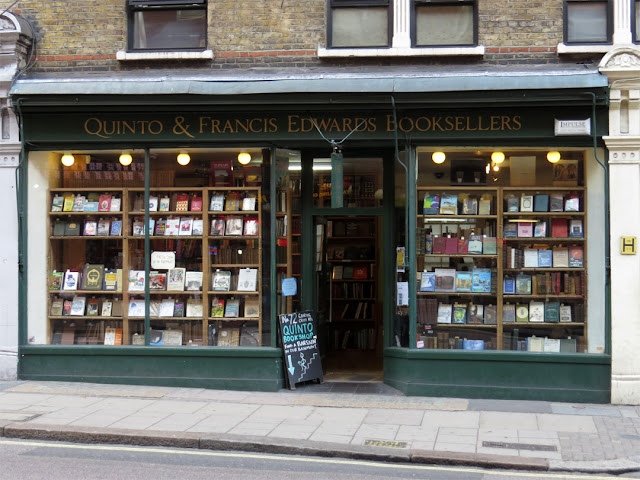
585, 410
12, 398
174, 406
123, 404
178, 422
508, 420
458, 431
351, 415
232, 409
566, 423
293, 431
628, 412
452, 419
99, 419
396, 417
453, 438
215, 425
409, 433
280, 413
423, 444
330, 437
293, 422
541, 454
374, 432
261, 429
15, 416
139, 421
497, 451
522, 434
339, 428
454, 447
523, 406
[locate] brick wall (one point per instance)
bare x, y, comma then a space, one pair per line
81, 35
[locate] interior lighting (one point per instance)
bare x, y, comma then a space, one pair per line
553, 157
125, 158
67, 159
438, 157
497, 157
183, 158
244, 157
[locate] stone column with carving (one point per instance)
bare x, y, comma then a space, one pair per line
622, 66
15, 47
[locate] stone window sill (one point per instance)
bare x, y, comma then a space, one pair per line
129, 56
398, 52
563, 48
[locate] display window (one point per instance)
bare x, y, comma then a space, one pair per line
179, 263
509, 251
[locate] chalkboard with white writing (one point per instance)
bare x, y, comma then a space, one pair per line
300, 348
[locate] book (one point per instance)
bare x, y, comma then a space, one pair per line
540, 229
198, 227
107, 307
565, 314
59, 227
228, 337
551, 345
510, 230
337, 272
178, 308
513, 204
530, 258
451, 245
221, 281
463, 246
484, 205
115, 204
431, 204
459, 313
57, 203
116, 228
67, 204
157, 280
428, 282
535, 344
56, 280
136, 280
232, 308
103, 227
545, 258
251, 226
72, 228
153, 203
92, 307
541, 202
249, 203
70, 280
56, 307
509, 285
470, 206
525, 229
66, 307
508, 313
463, 281
552, 312
536, 311
217, 202
559, 228
449, 204
232, 202
92, 277
475, 245
161, 227
526, 203
522, 312
78, 203
110, 280
193, 281
182, 202
490, 315
166, 307
576, 257
234, 226
475, 314
164, 204
575, 228
196, 203
175, 279
194, 308
556, 202
172, 227
217, 307
560, 257
156, 337
445, 279
186, 226
217, 227
347, 272
523, 284
445, 311
252, 307
572, 203
112, 336
138, 227
78, 305
481, 280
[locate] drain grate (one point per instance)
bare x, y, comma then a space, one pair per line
385, 443
521, 446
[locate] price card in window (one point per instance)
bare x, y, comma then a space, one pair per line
403, 294
289, 287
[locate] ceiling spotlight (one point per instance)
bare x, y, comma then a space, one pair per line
497, 157
438, 157
67, 159
244, 158
553, 157
183, 158
125, 158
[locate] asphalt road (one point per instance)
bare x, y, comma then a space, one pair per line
27, 460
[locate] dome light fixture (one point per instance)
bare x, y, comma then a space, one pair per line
183, 158
125, 158
67, 159
438, 157
553, 157
497, 157
244, 158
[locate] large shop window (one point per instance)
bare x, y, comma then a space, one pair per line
445, 22
192, 276
509, 251
167, 24
359, 23
587, 21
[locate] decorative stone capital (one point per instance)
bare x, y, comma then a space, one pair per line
621, 63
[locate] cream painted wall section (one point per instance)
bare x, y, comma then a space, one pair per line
38, 185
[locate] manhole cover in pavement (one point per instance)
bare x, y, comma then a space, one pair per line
521, 446
385, 443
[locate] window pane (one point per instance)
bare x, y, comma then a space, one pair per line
360, 27
170, 29
587, 22
636, 13
451, 25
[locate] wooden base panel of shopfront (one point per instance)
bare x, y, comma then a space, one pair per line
255, 369
499, 375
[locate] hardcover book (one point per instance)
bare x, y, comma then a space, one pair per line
57, 203
193, 281
444, 312
476, 314
541, 203
59, 227
178, 308
182, 203
513, 205
489, 246
115, 204
70, 280
217, 202
475, 245
565, 314
186, 226
559, 228
78, 305
545, 258
575, 228
576, 257
509, 285
481, 280
251, 226
540, 229
428, 282
459, 313
72, 228
526, 203
92, 307
572, 203
525, 229
164, 204
556, 202
445, 279
172, 227
116, 228
234, 226
112, 336
463, 246
153, 203
536, 311
175, 279
252, 307
196, 204
56, 307
107, 306
68, 202
522, 312
484, 205
463, 281
232, 308
157, 280
110, 280
221, 281
194, 308
217, 227
490, 315
92, 277
217, 307
55, 280
103, 227
449, 204
249, 203
431, 204
508, 313
451, 246
530, 258
523, 284
510, 230
560, 257
166, 307
552, 312
198, 229
136, 280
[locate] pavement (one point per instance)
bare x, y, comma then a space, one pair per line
349, 420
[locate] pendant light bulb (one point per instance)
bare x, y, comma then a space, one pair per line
183, 158
125, 158
244, 158
553, 157
497, 157
67, 159
438, 157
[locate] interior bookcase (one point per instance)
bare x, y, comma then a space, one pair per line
288, 236
210, 252
524, 283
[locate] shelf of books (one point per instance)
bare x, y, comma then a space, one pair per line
97, 282
288, 231
351, 252
501, 268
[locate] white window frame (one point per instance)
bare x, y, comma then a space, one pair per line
400, 42
621, 32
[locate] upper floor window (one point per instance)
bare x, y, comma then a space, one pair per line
167, 24
635, 21
587, 21
444, 23
359, 23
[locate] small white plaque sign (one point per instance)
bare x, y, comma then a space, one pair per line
163, 260
573, 127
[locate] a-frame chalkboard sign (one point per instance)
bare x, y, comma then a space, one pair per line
300, 348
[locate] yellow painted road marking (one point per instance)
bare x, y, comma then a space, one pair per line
206, 453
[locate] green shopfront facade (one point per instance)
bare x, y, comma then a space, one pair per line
382, 132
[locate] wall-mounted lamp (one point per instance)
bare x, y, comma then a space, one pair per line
125, 158
67, 159
438, 157
244, 157
553, 157
183, 158
497, 157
